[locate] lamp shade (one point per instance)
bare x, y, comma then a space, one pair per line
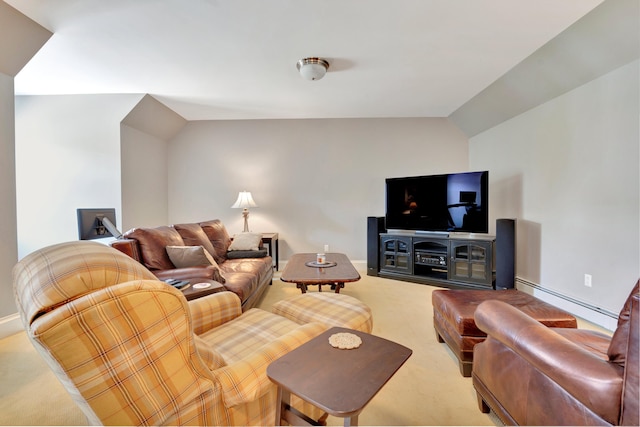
244, 201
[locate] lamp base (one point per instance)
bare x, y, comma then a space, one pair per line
245, 214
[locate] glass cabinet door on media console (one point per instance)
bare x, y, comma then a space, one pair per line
471, 261
395, 253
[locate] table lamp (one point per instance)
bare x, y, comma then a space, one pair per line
245, 201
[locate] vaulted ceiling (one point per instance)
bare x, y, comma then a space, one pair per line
235, 59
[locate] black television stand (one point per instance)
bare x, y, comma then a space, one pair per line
453, 260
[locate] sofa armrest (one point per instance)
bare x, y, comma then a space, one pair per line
201, 272
213, 310
129, 247
631, 395
246, 380
573, 368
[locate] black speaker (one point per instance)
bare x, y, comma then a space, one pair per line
505, 253
375, 226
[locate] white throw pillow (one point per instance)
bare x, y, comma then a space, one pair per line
246, 242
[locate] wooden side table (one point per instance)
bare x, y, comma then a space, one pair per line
271, 239
192, 293
340, 382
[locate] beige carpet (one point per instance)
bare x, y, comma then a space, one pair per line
427, 390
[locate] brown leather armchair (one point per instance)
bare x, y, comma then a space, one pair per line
529, 374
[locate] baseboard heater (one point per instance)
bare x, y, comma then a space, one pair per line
598, 315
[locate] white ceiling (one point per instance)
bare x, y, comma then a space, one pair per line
235, 59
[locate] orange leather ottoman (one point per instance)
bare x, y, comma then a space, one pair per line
453, 312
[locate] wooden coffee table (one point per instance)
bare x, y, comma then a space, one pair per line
340, 382
338, 271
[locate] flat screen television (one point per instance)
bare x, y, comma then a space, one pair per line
456, 202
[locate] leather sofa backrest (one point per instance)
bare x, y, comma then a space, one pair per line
620, 340
193, 235
153, 243
219, 238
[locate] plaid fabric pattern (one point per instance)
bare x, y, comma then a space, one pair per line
54, 275
211, 358
239, 337
329, 308
214, 310
127, 354
246, 380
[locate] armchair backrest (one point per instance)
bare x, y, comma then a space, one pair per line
50, 277
624, 351
630, 413
119, 340
619, 342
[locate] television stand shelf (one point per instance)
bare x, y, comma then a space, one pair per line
456, 261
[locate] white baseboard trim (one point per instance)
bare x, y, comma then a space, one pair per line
601, 317
10, 325
360, 265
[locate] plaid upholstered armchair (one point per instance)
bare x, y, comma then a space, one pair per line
131, 350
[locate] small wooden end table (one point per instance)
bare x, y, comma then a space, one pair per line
339, 270
340, 382
271, 239
190, 292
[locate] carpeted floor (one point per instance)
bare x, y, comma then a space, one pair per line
427, 390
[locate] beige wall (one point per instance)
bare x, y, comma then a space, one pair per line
568, 170
144, 136
315, 181
67, 157
8, 230
144, 179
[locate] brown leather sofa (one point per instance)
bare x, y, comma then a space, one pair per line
529, 374
247, 274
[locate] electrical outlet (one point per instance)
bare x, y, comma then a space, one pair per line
326, 248
587, 280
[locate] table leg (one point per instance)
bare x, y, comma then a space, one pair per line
279, 407
302, 287
353, 421
338, 286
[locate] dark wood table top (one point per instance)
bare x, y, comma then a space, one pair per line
297, 272
192, 293
340, 382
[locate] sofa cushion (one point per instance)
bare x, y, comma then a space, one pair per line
620, 340
153, 242
246, 274
241, 284
238, 338
219, 238
194, 256
194, 235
